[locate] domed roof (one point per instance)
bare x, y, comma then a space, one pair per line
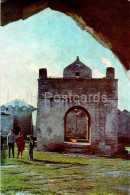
77, 70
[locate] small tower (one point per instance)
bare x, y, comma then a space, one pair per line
42, 73
110, 73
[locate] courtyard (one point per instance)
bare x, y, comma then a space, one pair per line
56, 173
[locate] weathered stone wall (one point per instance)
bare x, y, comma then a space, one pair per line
23, 119
51, 112
6, 124
34, 116
124, 127
22, 113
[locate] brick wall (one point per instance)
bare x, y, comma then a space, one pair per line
50, 116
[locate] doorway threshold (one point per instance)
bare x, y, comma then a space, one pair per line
77, 143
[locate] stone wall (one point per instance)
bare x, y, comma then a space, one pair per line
51, 112
34, 116
124, 127
23, 119
6, 124
22, 113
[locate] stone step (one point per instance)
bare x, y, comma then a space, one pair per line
79, 146
76, 145
76, 148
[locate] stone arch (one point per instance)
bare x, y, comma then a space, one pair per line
87, 138
107, 21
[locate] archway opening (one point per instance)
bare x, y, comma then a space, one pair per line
77, 125
17, 129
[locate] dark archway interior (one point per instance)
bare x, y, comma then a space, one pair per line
106, 20
17, 129
77, 125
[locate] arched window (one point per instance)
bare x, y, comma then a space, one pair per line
77, 124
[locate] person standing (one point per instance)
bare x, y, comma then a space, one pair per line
2, 142
31, 146
11, 138
20, 144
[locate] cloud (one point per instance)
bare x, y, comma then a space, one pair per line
33, 67
106, 61
97, 73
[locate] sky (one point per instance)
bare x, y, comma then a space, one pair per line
51, 40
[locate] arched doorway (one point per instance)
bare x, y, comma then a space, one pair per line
77, 125
17, 129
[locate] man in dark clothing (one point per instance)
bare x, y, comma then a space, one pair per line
31, 146
11, 138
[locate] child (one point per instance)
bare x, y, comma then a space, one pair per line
31, 146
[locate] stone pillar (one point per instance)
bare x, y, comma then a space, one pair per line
110, 73
42, 73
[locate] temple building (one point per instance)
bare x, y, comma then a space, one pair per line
78, 110
17, 115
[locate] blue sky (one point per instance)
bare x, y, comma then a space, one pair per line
52, 40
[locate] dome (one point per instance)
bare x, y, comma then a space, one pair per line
77, 70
